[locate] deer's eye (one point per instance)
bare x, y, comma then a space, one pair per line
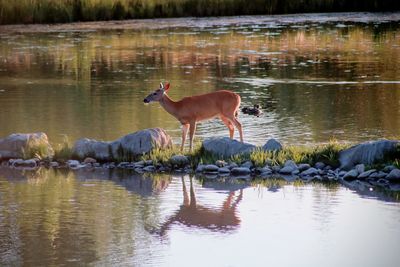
154, 93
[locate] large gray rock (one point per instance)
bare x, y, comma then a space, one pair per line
99, 150
394, 175
366, 153
226, 147
25, 146
272, 145
126, 147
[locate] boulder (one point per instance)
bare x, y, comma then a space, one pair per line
226, 147
366, 153
394, 175
25, 146
304, 166
319, 165
128, 146
272, 145
350, 175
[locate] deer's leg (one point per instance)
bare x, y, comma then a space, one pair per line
228, 124
192, 131
238, 126
185, 128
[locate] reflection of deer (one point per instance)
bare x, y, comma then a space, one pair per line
191, 214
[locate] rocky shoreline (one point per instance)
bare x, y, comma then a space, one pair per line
356, 163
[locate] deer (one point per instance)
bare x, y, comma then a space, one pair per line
190, 110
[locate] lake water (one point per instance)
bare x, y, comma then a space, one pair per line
101, 218
317, 77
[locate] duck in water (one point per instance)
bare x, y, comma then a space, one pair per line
255, 110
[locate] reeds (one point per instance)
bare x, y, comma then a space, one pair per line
59, 11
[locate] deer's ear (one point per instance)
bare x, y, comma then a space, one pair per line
161, 86
166, 87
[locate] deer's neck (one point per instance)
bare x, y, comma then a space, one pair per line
170, 106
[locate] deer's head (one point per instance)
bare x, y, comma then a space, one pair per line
157, 94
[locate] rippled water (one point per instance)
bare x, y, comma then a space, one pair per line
118, 218
317, 77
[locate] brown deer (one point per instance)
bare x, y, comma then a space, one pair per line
192, 214
190, 110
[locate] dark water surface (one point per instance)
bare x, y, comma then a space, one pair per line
317, 76
102, 218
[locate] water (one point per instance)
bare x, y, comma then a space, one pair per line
316, 76
122, 219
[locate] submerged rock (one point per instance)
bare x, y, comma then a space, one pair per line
126, 147
25, 145
366, 153
226, 147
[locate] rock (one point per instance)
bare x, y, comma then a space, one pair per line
139, 164
378, 175
179, 160
54, 164
350, 175
366, 153
319, 165
224, 170
310, 172
72, 162
148, 162
303, 166
366, 174
232, 165
141, 142
200, 168
289, 167
29, 163
149, 168
247, 164
394, 175
126, 147
25, 145
226, 147
89, 160
276, 168
383, 182
287, 170
240, 171
86, 147
342, 173
290, 163
210, 168
221, 163
389, 168
360, 168
265, 171
272, 145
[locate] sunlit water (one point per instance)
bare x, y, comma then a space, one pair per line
317, 77
123, 219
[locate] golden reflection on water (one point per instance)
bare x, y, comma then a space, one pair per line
92, 83
115, 217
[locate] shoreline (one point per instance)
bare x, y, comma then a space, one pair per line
202, 22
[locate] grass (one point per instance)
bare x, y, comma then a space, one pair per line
59, 11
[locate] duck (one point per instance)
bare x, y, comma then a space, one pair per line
255, 110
